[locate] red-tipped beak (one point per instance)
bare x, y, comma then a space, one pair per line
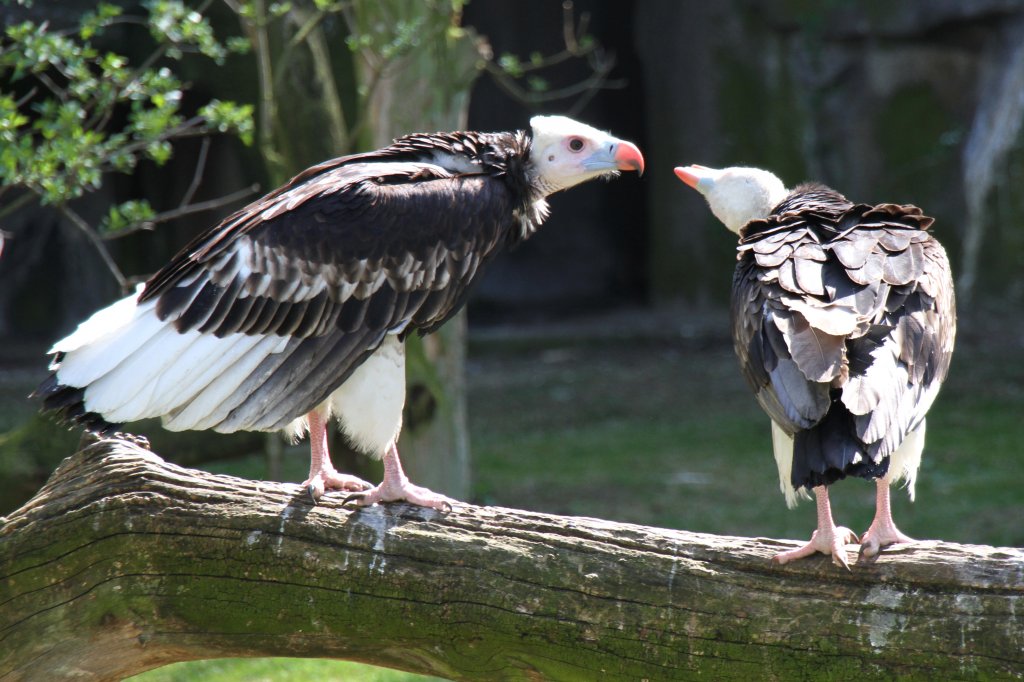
628, 157
695, 174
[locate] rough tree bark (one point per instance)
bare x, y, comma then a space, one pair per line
123, 562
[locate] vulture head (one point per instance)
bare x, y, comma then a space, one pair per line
565, 153
736, 195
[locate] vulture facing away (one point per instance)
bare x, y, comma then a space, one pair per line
843, 319
294, 309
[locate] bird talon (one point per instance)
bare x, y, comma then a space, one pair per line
353, 497
314, 495
839, 559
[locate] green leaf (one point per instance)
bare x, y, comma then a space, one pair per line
279, 9
127, 214
171, 21
238, 45
227, 117
93, 22
159, 151
510, 64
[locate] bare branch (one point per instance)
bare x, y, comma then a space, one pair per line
26, 98
256, 29
587, 87
310, 22
600, 63
183, 211
189, 128
94, 238
569, 31
59, 92
316, 43
13, 206
197, 177
368, 55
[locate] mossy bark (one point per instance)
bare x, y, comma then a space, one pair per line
123, 562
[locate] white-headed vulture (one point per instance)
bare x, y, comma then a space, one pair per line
294, 309
843, 319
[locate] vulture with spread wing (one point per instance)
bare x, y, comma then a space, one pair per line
843, 320
294, 309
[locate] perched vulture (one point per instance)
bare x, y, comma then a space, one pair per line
294, 309
843, 320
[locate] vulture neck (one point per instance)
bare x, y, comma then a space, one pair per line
515, 165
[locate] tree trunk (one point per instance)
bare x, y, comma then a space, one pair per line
123, 562
424, 88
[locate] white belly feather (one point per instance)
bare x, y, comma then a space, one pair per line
369, 404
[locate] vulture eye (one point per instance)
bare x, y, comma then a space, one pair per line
575, 144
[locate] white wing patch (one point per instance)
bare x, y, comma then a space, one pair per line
136, 366
455, 163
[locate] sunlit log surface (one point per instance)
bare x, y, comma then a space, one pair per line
123, 562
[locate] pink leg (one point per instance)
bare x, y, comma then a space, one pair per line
827, 539
882, 532
396, 487
322, 474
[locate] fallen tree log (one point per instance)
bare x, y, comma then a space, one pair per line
123, 562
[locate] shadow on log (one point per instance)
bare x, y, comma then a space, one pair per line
123, 562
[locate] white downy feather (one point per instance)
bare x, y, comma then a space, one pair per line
906, 460
369, 404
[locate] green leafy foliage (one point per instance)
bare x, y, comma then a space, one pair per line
228, 117
128, 213
180, 27
510, 64
63, 95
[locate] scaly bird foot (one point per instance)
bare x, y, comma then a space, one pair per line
323, 481
880, 535
398, 492
828, 541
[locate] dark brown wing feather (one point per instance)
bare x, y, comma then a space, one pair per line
334, 263
843, 321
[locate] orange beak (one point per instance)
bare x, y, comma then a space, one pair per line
628, 157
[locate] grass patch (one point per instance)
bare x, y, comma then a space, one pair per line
665, 432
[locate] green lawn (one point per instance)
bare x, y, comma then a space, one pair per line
665, 432
661, 430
